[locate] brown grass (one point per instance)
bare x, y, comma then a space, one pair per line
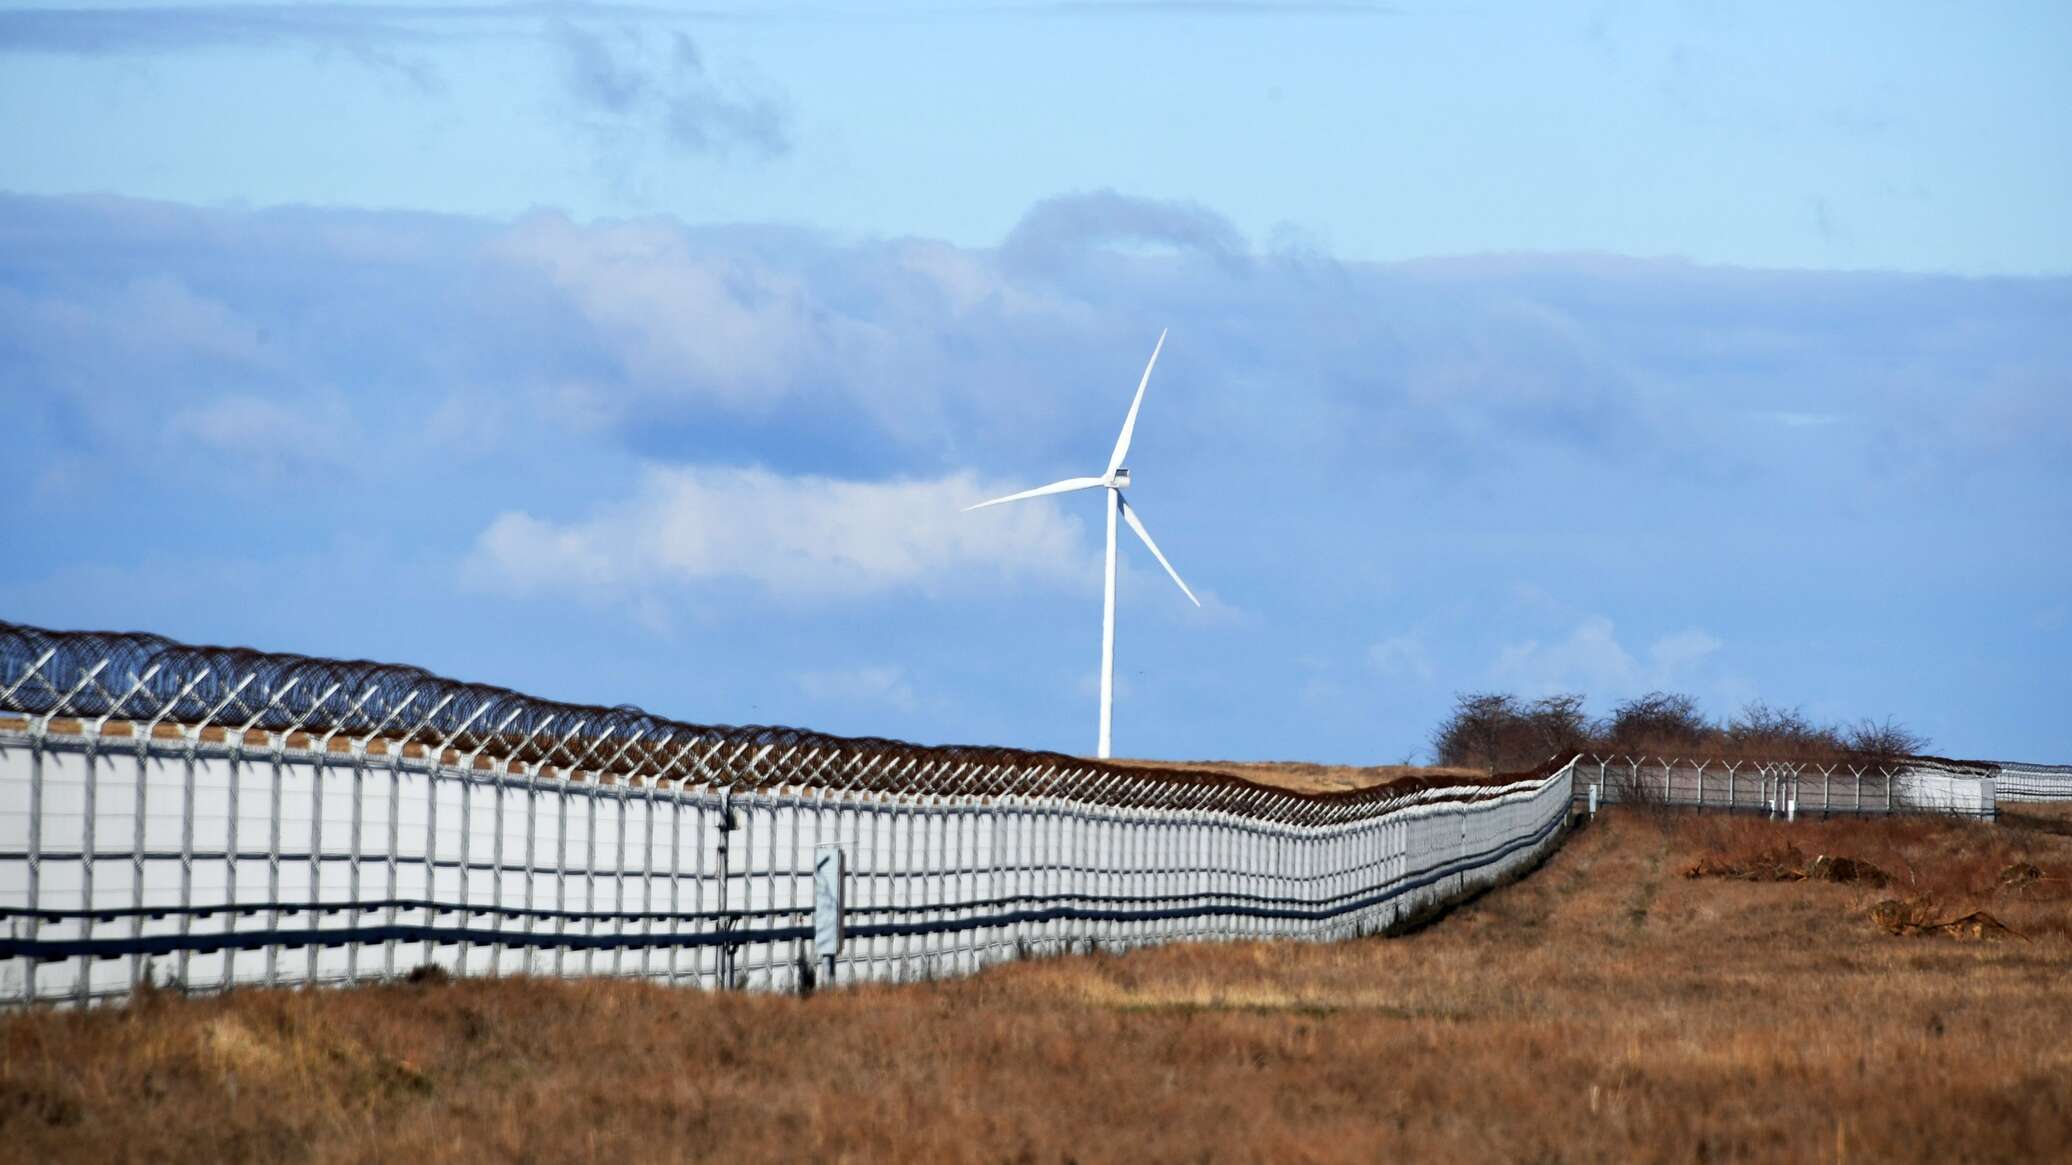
1604, 1008
1304, 777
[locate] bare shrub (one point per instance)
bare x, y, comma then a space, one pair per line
1497, 732
1559, 724
1883, 742
1656, 722
1472, 736
1774, 730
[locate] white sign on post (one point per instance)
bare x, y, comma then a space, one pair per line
827, 901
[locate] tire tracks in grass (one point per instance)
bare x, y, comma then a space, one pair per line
1534, 907
1604, 879
1649, 885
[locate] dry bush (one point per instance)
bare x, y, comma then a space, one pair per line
1503, 732
1883, 742
1473, 736
1658, 723
1497, 732
1954, 861
1770, 730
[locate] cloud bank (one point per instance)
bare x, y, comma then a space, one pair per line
794, 537
627, 74
704, 461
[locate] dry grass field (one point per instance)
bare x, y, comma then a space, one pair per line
1605, 1008
1306, 777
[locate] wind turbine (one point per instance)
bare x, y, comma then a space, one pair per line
1115, 480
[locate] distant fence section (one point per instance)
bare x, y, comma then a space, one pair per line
209, 818
2026, 782
1826, 788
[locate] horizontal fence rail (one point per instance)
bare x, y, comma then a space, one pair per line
2018, 781
211, 818
1910, 785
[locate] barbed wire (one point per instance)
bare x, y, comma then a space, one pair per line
1837, 763
223, 694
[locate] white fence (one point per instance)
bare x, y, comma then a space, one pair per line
2027, 782
1788, 788
211, 819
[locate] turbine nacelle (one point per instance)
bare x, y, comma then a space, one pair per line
1120, 479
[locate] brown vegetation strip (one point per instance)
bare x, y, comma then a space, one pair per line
1308, 777
1747, 1021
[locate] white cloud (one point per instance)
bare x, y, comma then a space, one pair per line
1592, 660
161, 312
271, 433
1677, 654
1402, 658
797, 537
725, 328
968, 284
631, 80
145, 329
229, 422
860, 685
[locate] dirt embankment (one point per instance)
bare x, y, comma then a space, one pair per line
1305, 777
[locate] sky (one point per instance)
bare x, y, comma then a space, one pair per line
635, 354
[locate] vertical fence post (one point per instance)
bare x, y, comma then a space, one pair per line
395, 748
723, 958
89, 850
39, 744
38, 730
190, 738
773, 798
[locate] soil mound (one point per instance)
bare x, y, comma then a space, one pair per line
1917, 916
1787, 863
2020, 874
1835, 868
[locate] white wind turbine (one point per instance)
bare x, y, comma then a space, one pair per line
1114, 481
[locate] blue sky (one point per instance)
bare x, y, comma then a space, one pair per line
622, 355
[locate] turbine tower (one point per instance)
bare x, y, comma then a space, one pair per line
1115, 480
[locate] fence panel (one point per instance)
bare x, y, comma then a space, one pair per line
2029, 782
214, 818
1781, 788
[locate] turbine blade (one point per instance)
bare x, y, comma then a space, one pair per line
1129, 423
1056, 487
1129, 514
